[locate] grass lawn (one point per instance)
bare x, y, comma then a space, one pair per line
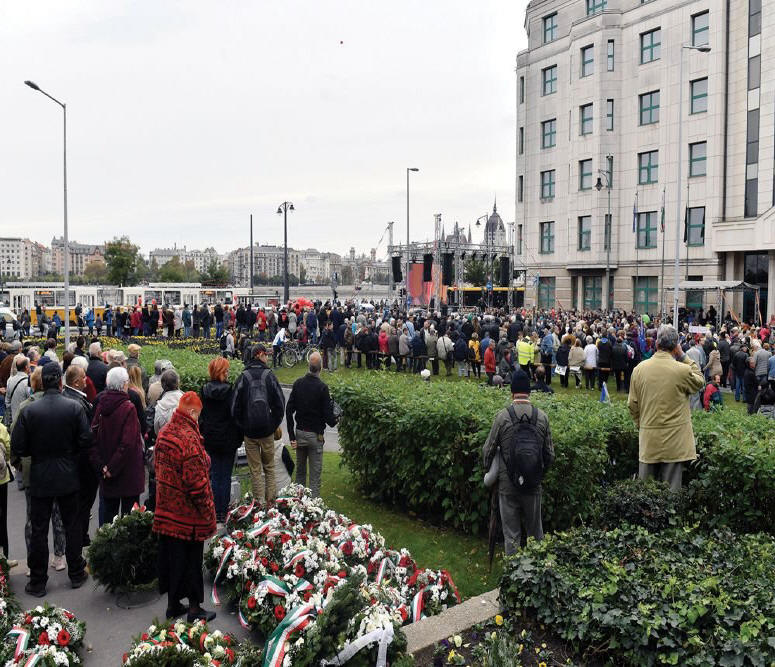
464, 556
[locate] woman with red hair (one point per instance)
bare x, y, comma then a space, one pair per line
221, 434
185, 513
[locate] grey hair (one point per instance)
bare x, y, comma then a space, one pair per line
315, 363
95, 349
117, 378
667, 337
170, 380
80, 362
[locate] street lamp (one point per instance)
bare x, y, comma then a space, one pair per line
34, 86
676, 267
485, 217
408, 169
283, 209
607, 227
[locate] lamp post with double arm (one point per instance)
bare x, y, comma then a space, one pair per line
283, 209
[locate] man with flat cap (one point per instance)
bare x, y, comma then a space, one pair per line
518, 452
54, 432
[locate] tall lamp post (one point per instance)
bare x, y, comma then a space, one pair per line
34, 86
485, 217
408, 169
676, 267
283, 209
607, 233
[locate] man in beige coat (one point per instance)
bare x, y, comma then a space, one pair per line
659, 405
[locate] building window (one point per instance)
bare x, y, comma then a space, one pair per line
592, 287
609, 115
646, 294
595, 6
519, 239
695, 226
648, 167
587, 60
607, 232
751, 205
585, 174
520, 186
521, 140
521, 89
699, 88
752, 138
550, 28
647, 230
549, 133
649, 107
610, 56
547, 238
585, 119
754, 17
701, 29
549, 79
609, 159
547, 184
754, 72
650, 46
585, 232
546, 292
698, 158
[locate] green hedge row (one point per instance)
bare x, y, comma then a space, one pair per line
418, 446
678, 597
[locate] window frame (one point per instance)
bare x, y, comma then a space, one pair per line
694, 97
546, 237
552, 135
592, 285
584, 233
649, 167
610, 55
649, 232
585, 121
551, 28
651, 286
583, 174
690, 225
522, 89
694, 161
547, 286
650, 109
609, 115
652, 46
519, 238
521, 140
589, 48
596, 6
520, 188
551, 69
549, 183
696, 31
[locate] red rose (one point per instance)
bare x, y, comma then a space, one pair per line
248, 545
299, 570
347, 548
274, 567
373, 601
270, 544
63, 638
404, 614
27, 620
124, 658
252, 602
144, 636
285, 538
43, 639
279, 612
307, 596
341, 574
264, 561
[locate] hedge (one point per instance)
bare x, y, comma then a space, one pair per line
679, 597
418, 446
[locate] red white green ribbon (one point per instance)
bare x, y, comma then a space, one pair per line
296, 621
242, 510
22, 639
242, 620
299, 556
382, 568
34, 659
224, 557
417, 605
260, 529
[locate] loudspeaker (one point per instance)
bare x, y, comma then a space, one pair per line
447, 270
504, 282
397, 276
427, 264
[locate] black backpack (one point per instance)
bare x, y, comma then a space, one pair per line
256, 417
523, 454
223, 342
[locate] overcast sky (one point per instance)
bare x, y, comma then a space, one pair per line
185, 117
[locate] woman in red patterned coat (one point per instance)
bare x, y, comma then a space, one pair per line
185, 512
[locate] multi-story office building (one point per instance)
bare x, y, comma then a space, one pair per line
22, 258
80, 256
604, 90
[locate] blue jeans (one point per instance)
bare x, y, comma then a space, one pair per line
221, 466
218, 329
186, 332
739, 388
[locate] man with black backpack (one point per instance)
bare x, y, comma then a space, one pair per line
520, 448
258, 407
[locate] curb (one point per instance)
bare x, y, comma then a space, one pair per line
428, 631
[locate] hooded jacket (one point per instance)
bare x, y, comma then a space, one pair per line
165, 406
117, 445
221, 434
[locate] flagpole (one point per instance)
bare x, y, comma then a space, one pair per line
662, 269
686, 240
636, 224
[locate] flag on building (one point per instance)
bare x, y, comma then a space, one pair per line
686, 224
662, 213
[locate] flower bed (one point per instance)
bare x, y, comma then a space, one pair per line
282, 567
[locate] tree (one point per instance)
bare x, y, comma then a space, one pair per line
96, 273
216, 273
190, 274
302, 273
475, 272
121, 260
173, 271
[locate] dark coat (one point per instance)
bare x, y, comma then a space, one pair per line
118, 445
54, 432
219, 429
619, 357
97, 372
184, 497
310, 404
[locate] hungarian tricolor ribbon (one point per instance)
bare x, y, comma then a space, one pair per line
452, 583
224, 557
260, 529
242, 620
34, 659
417, 605
295, 621
383, 568
299, 556
22, 639
241, 510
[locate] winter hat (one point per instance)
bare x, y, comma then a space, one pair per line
520, 383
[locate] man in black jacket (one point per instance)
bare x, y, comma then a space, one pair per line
98, 369
310, 403
258, 408
55, 433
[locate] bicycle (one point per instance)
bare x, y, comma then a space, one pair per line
291, 354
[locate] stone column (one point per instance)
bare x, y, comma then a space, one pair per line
770, 287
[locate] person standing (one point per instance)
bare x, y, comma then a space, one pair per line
98, 369
185, 512
489, 362
54, 432
117, 453
311, 406
659, 405
590, 364
5, 479
258, 407
221, 434
521, 440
